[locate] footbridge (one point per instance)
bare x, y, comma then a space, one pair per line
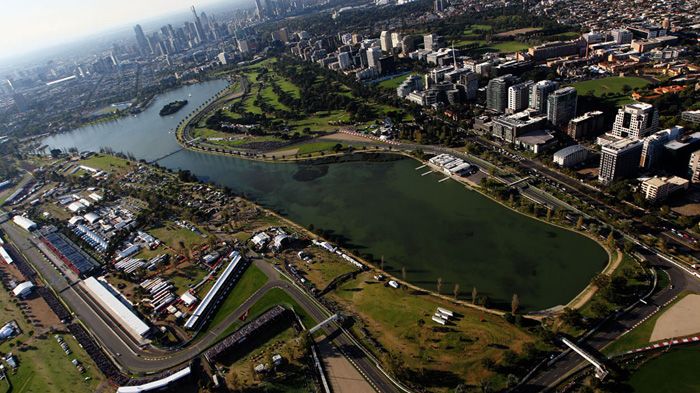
600, 371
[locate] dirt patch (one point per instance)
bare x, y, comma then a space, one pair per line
682, 319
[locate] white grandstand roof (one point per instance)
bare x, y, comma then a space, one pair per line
117, 310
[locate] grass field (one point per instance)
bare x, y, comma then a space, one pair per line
251, 281
43, 366
672, 372
314, 147
106, 163
171, 235
611, 85
394, 82
401, 321
495, 46
640, 335
273, 297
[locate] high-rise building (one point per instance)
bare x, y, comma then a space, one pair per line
518, 96
344, 60
385, 41
470, 83
396, 40
653, 146
141, 41
199, 29
587, 125
497, 92
258, 9
561, 106
636, 120
374, 55
408, 44
539, 93
619, 159
438, 5
694, 167
430, 42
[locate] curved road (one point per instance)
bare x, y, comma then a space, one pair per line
133, 358
560, 368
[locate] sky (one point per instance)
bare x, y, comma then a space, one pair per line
29, 25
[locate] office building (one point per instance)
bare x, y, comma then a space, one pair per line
518, 96
497, 92
141, 41
657, 188
385, 42
676, 155
561, 106
691, 116
410, 84
587, 125
694, 166
642, 46
653, 146
510, 127
438, 5
539, 93
430, 42
374, 55
469, 82
621, 36
570, 156
344, 60
619, 160
636, 120
556, 49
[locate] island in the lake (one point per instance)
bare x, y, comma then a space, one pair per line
172, 107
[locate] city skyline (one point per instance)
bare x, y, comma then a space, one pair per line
42, 25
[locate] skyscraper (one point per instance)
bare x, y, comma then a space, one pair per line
199, 30
561, 106
694, 167
385, 41
497, 92
438, 5
258, 9
518, 96
141, 41
636, 120
539, 93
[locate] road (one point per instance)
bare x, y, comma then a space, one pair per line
610, 331
136, 359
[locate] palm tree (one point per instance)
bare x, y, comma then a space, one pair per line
474, 295
514, 303
439, 284
455, 291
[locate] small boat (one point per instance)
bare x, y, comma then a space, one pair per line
190, 95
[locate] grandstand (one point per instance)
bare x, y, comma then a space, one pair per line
79, 262
217, 292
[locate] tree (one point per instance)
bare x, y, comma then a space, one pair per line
549, 214
611, 240
403, 273
474, 295
439, 284
514, 303
381, 263
455, 291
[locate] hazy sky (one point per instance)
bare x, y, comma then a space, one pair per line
27, 25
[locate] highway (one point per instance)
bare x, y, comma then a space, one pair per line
135, 359
681, 281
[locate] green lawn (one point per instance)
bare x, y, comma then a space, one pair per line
172, 234
251, 281
472, 29
272, 298
610, 85
106, 163
393, 83
43, 366
639, 336
494, 46
672, 372
314, 147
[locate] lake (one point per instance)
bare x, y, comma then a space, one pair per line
383, 208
